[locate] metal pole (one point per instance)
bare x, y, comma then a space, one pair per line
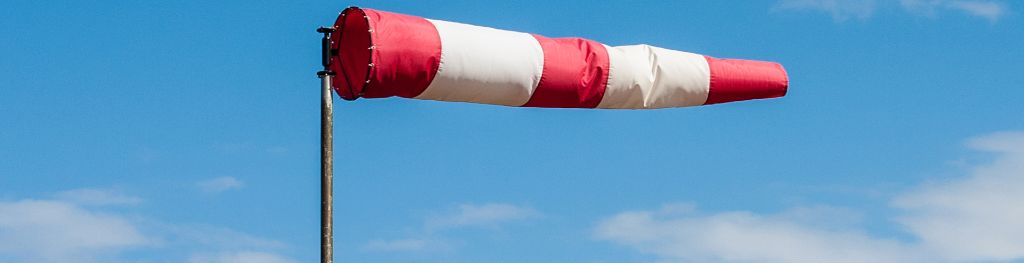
326, 171
326, 153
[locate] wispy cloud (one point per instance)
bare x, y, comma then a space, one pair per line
239, 257
990, 10
486, 215
742, 236
976, 218
219, 184
206, 236
491, 216
76, 225
97, 197
842, 10
407, 245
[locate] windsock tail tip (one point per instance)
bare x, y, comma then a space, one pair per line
737, 80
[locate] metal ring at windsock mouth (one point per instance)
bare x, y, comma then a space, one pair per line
352, 53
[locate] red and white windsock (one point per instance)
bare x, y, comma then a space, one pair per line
381, 54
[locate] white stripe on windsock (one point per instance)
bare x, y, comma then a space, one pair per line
646, 77
485, 65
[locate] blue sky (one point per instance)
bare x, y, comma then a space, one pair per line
187, 131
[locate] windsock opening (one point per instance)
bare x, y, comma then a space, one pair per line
351, 53
382, 54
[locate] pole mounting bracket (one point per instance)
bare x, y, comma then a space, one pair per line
325, 50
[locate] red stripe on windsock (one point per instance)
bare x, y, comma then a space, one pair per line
575, 74
406, 54
405, 50
737, 79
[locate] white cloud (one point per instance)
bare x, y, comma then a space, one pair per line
220, 184
977, 218
55, 231
97, 197
486, 215
75, 227
493, 216
842, 10
239, 257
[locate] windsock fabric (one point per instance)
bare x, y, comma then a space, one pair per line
380, 54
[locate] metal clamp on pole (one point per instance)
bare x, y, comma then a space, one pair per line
325, 50
326, 151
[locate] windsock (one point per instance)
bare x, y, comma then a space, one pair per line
379, 54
